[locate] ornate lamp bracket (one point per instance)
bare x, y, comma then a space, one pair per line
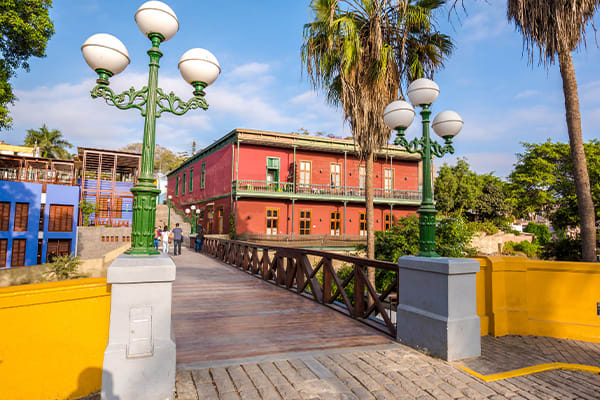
126, 100
174, 105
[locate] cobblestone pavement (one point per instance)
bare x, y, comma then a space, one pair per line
392, 372
513, 352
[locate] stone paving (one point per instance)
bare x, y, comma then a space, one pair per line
389, 372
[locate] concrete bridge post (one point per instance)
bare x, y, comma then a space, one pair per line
437, 306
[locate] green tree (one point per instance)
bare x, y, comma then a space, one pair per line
25, 30
164, 159
553, 29
460, 191
543, 181
356, 51
50, 142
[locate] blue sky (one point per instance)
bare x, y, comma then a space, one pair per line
501, 98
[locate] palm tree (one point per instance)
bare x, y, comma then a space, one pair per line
50, 142
359, 52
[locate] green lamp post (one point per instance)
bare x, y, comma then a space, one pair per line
398, 115
107, 55
169, 197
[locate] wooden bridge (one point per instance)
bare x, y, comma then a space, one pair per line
227, 304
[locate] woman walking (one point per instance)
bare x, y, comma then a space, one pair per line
165, 239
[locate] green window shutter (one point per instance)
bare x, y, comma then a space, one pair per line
203, 175
183, 184
272, 163
176, 186
191, 179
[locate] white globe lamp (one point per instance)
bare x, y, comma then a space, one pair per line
447, 124
199, 67
105, 54
423, 92
157, 17
398, 115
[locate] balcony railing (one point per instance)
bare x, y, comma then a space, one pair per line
37, 176
313, 190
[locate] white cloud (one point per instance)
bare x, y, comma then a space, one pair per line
250, 70
485, 162
527, 94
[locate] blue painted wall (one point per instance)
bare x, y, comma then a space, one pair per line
25, 192
64, 196
22, 192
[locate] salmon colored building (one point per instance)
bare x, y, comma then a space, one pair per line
271, 183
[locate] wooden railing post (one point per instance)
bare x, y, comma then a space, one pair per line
327, 281
359, 292
265, 264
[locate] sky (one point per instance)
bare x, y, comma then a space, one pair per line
502, 99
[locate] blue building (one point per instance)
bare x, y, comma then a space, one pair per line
39, 205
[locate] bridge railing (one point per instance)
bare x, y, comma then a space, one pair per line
291, 268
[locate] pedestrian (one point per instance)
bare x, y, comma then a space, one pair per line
177, 239
165, 239
200, 239
157, 233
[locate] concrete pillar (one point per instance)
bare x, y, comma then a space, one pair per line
437, 306
139, 361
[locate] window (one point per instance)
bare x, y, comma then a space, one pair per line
117, 209
388, 221
272, 173
183, 184
362, 173
4, 216
176, 186
388, 179
21, 217
336, 175
363, 224
305, 167
3, 247
19, 247
272, 221
203, 175
335, 223
305, 222
61, 218
191, 179
59, 247
104, 205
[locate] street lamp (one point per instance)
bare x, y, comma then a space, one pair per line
169, 197
107, 55
194, 218
196, 221
398, 115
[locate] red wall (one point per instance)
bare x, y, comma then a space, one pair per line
252, 216
217, 182
253, 164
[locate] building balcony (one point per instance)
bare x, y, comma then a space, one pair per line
289, 190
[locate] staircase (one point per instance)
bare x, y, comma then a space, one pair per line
162, 216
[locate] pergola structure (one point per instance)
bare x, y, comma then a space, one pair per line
107, 177
37, 170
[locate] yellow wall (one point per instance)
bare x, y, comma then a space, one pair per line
517, 296
52, 339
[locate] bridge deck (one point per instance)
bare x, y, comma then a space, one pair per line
221, 313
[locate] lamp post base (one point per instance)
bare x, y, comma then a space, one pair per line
144, 218
139, 360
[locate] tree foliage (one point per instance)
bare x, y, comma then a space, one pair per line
50, 143
462, 192
25, 28
542, 181
164, 159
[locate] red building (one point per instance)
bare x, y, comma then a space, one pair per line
291, 184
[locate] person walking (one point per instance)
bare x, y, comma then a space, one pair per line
177, 239
165, 239
157, 233
200, 239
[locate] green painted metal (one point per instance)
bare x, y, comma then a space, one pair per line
169, 217
152, 102
427, 149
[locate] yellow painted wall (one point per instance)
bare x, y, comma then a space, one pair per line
517, 296
52, 339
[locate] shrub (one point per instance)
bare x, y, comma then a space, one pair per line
541, 232
63, 268
531, 250
488, 227
563, 249
87, 209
